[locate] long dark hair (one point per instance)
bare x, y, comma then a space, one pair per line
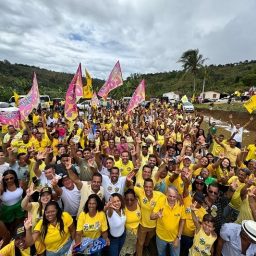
120, 198
16, 181
99, 203
46, 223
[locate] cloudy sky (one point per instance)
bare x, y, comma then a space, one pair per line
147, 36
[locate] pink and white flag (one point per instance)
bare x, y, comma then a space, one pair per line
137, 97
31, 101
78, 82
10, 117
114, 80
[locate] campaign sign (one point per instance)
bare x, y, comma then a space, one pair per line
89, 246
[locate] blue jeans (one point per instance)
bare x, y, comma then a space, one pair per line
116, 244
162, 245
64, 249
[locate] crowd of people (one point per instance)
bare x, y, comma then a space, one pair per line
151, 179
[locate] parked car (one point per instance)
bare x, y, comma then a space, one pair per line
188, 107
45, 102
84, 105
4, 104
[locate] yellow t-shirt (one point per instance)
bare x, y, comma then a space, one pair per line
167, 227
9, 250
202, 244
54, 240
236, 200
124, 168
35, 119
179, 184
132, 219
92, 227
251, 152
217, 148
21, 146
232, 154
245, 212
147, 206
189, 226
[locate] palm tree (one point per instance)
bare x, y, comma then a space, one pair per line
192, 61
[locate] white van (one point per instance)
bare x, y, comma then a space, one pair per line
44, 101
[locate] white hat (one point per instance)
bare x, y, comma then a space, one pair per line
249, 227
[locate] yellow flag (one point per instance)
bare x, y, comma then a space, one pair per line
16, 98
184, 98
250, 105
87, 89
193, 98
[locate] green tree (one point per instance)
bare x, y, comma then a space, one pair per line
192, 61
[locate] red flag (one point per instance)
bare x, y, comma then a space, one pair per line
137, 97
114, 80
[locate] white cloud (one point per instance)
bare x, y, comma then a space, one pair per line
146, 36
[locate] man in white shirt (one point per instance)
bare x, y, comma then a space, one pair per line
69, 194
237, 240
114, 183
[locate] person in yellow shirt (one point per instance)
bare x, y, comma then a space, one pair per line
92, 221
23, 144
251, 151
133, 216
189, 226
124, 164
204, 235
147, 198
236, 184
56, 230
170, 219
18, 245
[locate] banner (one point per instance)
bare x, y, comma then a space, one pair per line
137, 97
114, 80
78, 83
87, 89
250, 105
10, 116
70, 110
94, 100
31, 101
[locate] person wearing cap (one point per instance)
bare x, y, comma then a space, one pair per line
70, 195
237, 240
18, 245
36, 209
170, 219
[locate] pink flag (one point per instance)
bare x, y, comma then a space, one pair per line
74, 93
31, 101
94, 100
70, 111
137, 97
114, 80
10, 117
77, 80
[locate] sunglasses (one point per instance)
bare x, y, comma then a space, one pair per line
213, 192
7, 179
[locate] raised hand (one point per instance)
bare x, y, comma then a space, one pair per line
160, 213
68, 164
30, 191
28, 222
130, 176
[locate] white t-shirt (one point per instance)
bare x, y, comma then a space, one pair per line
110, 188
71, 200
11, 197
3, 168
239, 136
45, 182
116, 224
